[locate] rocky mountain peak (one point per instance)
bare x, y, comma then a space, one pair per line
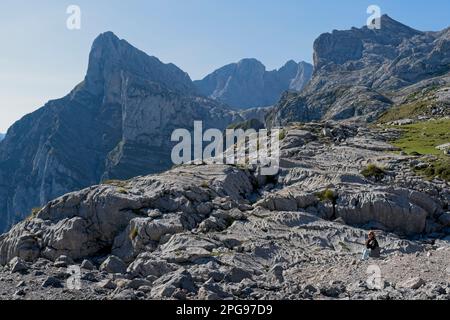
116, 124
250, 68
391, 25
111, 57
356, 72
289, 69
250, 63
341, 46
248, 84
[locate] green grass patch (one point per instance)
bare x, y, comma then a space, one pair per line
438, 168
423, 137
205, 184
327, 195
34, 213
372, 171
418, 103
122, 190
133, 234
116, 183
282, 135
405, 111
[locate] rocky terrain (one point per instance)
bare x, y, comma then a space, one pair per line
139, 228
247, 84
116, 124
360, 73
226, 232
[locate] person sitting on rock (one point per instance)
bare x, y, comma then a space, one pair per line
372, 247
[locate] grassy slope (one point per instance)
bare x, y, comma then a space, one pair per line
416, 104
405, 111
423, 138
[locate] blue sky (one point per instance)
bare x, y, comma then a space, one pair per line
40, 59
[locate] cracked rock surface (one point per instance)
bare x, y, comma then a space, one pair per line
225, 232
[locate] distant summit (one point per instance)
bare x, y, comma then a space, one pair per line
247, 84
111, 56
116, 124
360, 73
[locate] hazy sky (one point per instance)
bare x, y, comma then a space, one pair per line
40, 59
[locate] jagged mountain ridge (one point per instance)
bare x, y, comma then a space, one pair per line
357, 72
247, 84
225, 232
116, 124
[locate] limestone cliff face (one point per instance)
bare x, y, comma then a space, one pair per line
357, 70
247, 84
115, 124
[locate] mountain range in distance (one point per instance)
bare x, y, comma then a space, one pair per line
117, 123
247, 84
363, 146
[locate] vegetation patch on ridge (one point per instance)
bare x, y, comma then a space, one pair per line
421, 139
373, 171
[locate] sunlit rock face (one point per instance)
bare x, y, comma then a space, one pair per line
358, 71
116, 124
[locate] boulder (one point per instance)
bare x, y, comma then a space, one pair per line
145, 265
396, 209
87, 265
412, 283
137, 283
17, 265
52, 282
289, 199
167, 285
236, 275
277, 273
63, 262
107, 284
113, 264
19, 242
444, 219
212, 291
143, 234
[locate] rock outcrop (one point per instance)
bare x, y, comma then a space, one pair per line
116, 124
358, 71
247, 84
221, 231
218, 231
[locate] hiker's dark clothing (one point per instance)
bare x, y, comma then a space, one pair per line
372, 244
374, 248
